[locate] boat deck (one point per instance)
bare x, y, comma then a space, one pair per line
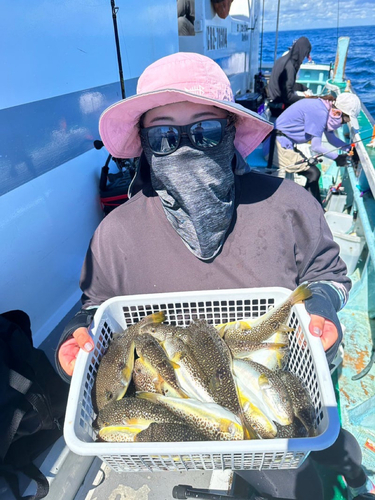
88, 478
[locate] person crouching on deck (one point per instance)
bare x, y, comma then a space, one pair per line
308, 120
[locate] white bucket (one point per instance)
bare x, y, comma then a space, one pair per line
337, 203
351, 245
338, 222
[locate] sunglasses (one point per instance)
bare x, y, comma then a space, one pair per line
345, 118
165, 139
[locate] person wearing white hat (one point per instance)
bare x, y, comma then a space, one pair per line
308, 120
199, 219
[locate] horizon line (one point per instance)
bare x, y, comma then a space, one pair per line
325, 28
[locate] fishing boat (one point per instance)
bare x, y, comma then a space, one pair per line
69, 61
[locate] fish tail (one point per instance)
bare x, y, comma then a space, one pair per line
248, 432
301, 293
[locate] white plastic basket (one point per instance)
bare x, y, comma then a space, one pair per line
307, 360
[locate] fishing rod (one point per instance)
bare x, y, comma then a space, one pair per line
312, 159
119, 62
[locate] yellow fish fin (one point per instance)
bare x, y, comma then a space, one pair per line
244, 325
263, 381
301, 293
176, 358
122, 394
247, 435
221, 330
157, 317
174, 364
285, 329
150, 396
127, 373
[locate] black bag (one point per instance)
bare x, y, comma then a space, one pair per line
32, 403
113, 188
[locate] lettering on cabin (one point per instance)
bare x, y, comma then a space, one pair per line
241, 27
217, 38
244, 30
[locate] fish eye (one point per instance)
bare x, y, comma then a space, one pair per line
121, 365
109, 395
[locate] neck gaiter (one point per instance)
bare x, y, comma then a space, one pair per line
333, 122
196, 189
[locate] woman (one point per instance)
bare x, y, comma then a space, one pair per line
197, 219
308, 120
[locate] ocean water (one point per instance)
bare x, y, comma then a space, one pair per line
360, 65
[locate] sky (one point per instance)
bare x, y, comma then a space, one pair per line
302, 14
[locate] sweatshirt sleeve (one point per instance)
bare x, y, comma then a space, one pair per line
326, 300
288, 94
94, 283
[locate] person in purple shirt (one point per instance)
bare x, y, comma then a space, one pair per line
308, 120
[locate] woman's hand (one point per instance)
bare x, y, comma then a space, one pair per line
325, 329
69, 350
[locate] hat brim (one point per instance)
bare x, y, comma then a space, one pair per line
119, 130
354, 122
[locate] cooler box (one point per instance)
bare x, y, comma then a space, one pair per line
250, 100
351, 244
307, 360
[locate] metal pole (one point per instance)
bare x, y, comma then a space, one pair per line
277, 30
261, 42
114, 17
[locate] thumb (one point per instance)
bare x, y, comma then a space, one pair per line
83, 339
316, 325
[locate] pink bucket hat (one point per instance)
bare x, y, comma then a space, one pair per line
179, 77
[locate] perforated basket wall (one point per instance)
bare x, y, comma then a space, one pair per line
307, 360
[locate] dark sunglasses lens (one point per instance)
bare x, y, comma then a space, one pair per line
206, 134
163, 139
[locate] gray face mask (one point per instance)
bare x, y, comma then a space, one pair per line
197, 192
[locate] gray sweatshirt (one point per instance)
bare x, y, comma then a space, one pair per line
278, 237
